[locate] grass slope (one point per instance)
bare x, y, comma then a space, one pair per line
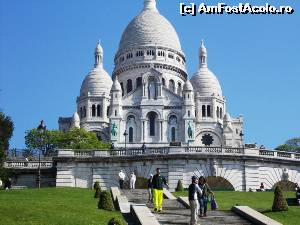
261, 201
52, 206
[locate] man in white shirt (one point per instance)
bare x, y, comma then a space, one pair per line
121, 178
132, 180
194, 189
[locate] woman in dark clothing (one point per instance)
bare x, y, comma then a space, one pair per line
203, 199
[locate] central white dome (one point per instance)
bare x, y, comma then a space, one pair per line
149, 28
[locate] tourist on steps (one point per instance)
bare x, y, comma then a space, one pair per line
132, 180
121, 179
194, 192
157, 183
203, 199
150, 189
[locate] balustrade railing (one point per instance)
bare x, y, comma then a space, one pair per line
266, 152
27, 165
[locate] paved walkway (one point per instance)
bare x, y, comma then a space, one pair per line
174, 213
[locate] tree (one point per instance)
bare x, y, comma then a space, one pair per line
97, 189
279, 203
179, 186
291, 145
116, 221
50, 140
105, 201
6, 132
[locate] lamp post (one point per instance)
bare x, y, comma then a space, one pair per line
41, 129
125, 135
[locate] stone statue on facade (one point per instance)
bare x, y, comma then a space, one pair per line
190, 130
114, 130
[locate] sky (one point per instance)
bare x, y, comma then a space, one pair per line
47, 47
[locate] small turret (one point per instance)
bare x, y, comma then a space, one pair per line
75, 121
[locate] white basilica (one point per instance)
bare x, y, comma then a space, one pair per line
149, 98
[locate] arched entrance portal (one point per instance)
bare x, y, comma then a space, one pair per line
285, 185
219, 184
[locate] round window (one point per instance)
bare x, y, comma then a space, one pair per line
207, 139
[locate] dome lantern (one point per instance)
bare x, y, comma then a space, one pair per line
202, 55
98, 55
150, 5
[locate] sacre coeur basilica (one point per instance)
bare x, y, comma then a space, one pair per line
149, 97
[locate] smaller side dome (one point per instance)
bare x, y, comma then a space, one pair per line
204, 81
97, 82
227, 118
75, 120
188, 86
116, 85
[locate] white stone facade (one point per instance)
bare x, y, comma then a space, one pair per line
150, 96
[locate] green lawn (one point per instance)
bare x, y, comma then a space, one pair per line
261, 201
52, 206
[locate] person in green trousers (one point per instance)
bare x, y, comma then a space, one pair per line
157, 184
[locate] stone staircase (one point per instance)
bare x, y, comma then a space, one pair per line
174, 213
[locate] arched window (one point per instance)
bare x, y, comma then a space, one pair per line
122, 87
129, 86
152, 118
138, 82
189, 113
173, 134
99, 111
107, 111
115, 112
84, 112
172, 85
221, 113
81, 114
130, 135
179, 89
203, 111
93, 110
218, 112
208, 111
163, 82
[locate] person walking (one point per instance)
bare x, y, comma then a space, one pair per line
150, 189
203, 199
132, 180
194, 192
157, 183
121, 179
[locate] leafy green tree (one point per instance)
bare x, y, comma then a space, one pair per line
290, 145
50, 140
6, 132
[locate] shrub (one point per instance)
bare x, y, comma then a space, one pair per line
116, 221
279, 203
97, 189
179, 186
105, 201
96, 184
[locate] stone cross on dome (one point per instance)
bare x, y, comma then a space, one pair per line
150, 5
